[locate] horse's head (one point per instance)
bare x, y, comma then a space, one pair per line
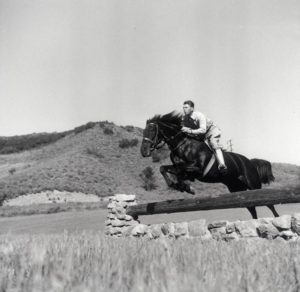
151, 138
157, 129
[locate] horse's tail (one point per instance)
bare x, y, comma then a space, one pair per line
264, 169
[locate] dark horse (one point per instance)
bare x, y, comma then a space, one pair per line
191, 156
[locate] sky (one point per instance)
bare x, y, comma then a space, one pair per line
64, 63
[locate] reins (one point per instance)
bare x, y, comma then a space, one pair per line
166, 138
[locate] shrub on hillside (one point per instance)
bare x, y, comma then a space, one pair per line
129, 128
8, 150
108, 131
147, 176
85, 127
126, 143
94, 151
12, 171
25, 142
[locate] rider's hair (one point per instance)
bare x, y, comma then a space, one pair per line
190, 103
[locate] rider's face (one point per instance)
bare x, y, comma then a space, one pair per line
187, 109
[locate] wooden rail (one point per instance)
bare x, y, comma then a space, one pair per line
262, 197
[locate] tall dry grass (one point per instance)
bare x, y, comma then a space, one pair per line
92, 262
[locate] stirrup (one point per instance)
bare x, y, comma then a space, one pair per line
222, 168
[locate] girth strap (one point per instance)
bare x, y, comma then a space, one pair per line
209, 165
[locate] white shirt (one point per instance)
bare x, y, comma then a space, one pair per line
201, 121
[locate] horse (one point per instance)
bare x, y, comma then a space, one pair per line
193, 159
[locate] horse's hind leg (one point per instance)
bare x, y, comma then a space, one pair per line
239, 185
253, 212
272, 208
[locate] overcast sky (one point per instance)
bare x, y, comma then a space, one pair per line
67, 62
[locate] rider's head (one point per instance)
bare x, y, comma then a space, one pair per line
188, 107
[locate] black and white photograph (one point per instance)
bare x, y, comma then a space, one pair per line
149, 146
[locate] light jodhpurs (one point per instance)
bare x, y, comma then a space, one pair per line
213, 137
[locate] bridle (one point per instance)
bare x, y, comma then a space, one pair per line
155, 142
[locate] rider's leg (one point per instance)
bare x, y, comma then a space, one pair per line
220, 158
214, 141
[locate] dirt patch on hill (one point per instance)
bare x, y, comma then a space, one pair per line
51, 197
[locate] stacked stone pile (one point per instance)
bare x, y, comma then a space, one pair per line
118, 221
286, 227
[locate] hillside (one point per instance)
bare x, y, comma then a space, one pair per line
91, 161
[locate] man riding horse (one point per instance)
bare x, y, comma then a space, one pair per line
192, 158
197, 125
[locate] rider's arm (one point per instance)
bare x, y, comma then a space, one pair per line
202, 122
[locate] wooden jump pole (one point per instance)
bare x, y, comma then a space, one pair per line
261, 197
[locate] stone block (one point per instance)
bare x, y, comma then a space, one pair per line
130, 223
181, 229
287, 234
246, 228
127, 230
207, 236
230, 227
117, 223
111, 216
218, 233
128, 217
108, 222
114, 230
197, 228
122, 204
120, 216
282, 222
295, 223
230, 236
124, 198
267, 220
217, 224
268, 231
156, 231
111, 205
168, 229
139, 230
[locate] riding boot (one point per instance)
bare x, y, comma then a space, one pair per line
222, 167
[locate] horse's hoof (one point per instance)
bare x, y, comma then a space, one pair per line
191, 190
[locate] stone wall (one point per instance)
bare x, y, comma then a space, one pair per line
118, 223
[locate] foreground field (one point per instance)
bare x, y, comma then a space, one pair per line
91, 262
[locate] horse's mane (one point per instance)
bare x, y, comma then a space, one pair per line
173, 117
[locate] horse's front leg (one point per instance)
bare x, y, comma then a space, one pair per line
167, 171
170, 170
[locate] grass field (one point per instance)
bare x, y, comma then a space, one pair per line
90, 262
67, 251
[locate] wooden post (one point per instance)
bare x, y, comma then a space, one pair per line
261, 197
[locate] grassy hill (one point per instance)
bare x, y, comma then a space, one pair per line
90, 160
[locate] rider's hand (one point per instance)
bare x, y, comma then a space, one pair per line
185, 130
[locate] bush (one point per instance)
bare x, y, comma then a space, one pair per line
85, 127
12, 171
25, 142
94, 151
126, 143
108, 131
129, 128
8, 150
147, 176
